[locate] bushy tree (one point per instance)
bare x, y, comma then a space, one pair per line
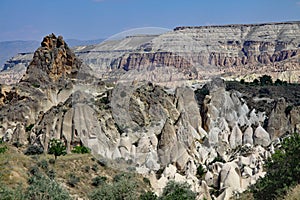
266, 80
57, 148
283, 170
177, 191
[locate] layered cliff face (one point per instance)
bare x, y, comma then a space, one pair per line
233, 50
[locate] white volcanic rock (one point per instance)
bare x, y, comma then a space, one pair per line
236, 136
261, 137
186, 102
230, 176
248, 136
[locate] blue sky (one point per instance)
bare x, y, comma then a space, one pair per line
94, 19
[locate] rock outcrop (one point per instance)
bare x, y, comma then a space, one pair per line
54, 60
203, 135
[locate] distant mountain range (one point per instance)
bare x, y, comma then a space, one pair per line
9, 49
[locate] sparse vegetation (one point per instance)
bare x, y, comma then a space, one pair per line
177, 191
95, 167
81, 149
288, 109
73, 180
29, 127
43, 188
124, 186
51, 161
3, 149
148, 196
36, 85
43, 164
98, 180
200, 171
7, 193
51, 174
217, 159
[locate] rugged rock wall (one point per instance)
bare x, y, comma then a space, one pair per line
226, 46
234, 49
54, 60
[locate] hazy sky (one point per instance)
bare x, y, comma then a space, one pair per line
94, 19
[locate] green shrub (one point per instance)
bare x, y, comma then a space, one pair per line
52, 161
98, 180
148, 196
43, 164
177, 191
283, 171
200, 171
73, 180
29, 127
34, 170
3, 149
81, 150
7, 193
264, 92
102, 162
36, 85
87, 168
124, 187
146, 180
122, 176
51, 174
217, 159
95, 167
288, 110
43, 188
33, 150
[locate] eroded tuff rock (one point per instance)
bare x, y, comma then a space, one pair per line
196, 52
54, 60
156, 129
48, 82
173, 130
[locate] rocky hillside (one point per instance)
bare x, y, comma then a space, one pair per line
215, 137
199, 53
